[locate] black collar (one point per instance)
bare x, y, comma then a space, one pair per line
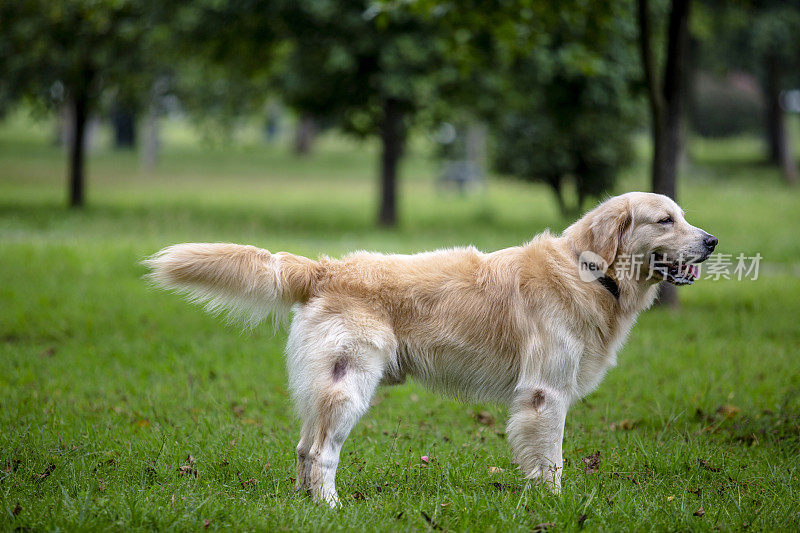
610, 285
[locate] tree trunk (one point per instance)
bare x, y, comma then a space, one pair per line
779, 146
675, 73
667, 103
559, 194
124, 121
151, 141
80, 110
393, 138
304, 134
774, 113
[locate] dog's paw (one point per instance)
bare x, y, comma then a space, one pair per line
547, 475
331, 498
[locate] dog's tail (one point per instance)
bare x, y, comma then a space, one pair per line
246, 283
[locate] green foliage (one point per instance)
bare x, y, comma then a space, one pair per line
742, 35
568, 109
51, 50
349, 57
226, 54
774, 32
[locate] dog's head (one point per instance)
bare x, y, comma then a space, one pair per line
647, 230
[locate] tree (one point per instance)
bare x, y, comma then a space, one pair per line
667, 97
355, 64
666, 92
567, 109
774, 28
227, 53
68, 52
555, 82
368, 68
760, 37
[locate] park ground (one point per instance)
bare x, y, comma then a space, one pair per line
124, 408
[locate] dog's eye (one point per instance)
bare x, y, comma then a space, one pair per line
666, 220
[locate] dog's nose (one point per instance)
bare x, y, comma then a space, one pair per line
710, 241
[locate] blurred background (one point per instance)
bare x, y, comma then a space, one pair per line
461, 95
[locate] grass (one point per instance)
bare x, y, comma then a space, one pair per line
122, 408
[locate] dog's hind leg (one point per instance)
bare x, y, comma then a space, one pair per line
335, 364
340, 397
303, 447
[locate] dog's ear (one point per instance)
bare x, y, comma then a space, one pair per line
602, 230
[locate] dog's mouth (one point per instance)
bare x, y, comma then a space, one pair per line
682, 272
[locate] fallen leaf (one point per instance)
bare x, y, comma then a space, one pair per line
246, 484
495, 469
142, 423
622, 425
17, 509
705, 465
49, 470
206, 523
266, 467
49, 352
187, 470
544, 526
485, 418
670, 498
592, 463
728, 410
700, 512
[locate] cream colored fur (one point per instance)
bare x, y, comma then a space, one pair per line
517, 325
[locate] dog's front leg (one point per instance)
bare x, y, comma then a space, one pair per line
536, 431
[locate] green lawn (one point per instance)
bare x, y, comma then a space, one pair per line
125, 408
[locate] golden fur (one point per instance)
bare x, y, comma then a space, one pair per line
518, 325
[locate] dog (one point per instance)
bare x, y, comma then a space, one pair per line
534, 326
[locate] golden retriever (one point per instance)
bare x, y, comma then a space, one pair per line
524, 326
